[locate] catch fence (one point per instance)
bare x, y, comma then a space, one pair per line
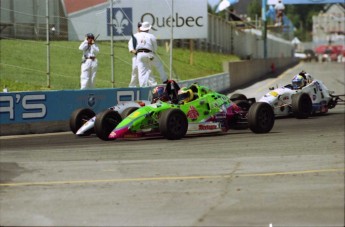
44, 34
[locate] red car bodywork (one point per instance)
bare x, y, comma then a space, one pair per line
330, 51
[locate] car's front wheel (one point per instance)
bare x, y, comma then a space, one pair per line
106, 122
79, 117
173, 124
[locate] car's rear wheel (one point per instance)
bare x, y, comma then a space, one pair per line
128, 111
173, 124
79, 117
261, 117
106, 122
301, 105
237, 96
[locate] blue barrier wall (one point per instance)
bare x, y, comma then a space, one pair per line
50, 111
55, 106
47, 106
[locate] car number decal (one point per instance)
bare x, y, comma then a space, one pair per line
192, 113
273, 93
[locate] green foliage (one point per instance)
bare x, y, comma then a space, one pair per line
23, 65
301, 17
211, 10
254, 8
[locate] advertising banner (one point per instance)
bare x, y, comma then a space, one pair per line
189, 19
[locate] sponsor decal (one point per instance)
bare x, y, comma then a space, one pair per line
91, 100
192, 113
207, 127
318, 87
121, 22
132, 135
32, 106
127, 95
273, 93
177, 21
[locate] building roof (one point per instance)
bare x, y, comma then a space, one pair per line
72, 6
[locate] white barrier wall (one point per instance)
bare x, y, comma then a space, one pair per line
225, 37
245, 72
249, 45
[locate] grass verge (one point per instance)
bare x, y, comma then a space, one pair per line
23, 64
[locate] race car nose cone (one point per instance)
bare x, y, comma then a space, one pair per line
112, 135
118, 133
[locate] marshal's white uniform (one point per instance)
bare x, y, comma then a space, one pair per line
146, 46
156, 62
89, 65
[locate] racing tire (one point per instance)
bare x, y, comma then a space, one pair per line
128, 111
238, 96
106, 122
301, 105
173, 124
243, 104
260, 117
80, 117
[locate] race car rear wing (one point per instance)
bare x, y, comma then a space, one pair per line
336, 100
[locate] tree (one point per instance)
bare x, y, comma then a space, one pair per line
302, 18
254, 8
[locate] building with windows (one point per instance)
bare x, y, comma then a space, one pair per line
329, 26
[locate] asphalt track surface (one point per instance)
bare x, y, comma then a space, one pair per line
292, 176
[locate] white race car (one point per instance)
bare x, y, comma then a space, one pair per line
82, 120
301, 103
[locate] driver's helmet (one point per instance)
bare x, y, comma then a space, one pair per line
185, 95
298, 82
159, 93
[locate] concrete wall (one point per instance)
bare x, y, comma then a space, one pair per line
246, 72
225, 37
248, 44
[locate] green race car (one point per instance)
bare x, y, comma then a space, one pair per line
195, 110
